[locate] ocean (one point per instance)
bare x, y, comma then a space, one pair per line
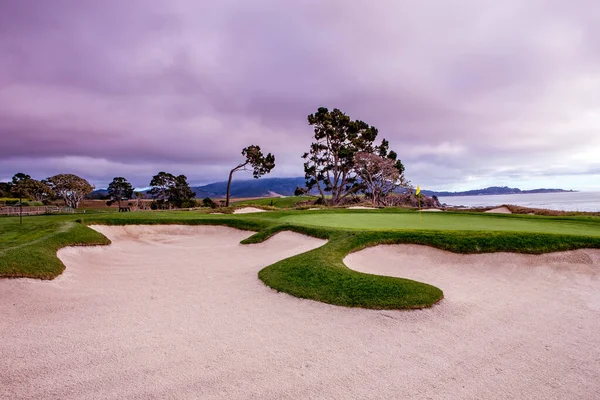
568, 201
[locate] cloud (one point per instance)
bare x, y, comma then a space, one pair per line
467, 92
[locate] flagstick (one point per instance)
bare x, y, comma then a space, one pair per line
420, 214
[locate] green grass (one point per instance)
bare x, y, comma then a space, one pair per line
29, 250
278, 202
375, 220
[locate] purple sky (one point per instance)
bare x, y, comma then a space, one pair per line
470, 93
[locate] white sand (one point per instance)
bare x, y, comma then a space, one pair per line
248, 210
315, 209
510, 326
500, 210
178, 312
431, 210
361, 208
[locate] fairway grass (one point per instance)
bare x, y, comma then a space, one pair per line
447, 222
29, 250
277, 202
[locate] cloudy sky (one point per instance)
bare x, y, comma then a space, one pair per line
470, 93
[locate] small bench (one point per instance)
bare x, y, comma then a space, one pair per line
124, 209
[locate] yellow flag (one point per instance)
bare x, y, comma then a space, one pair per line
418, 190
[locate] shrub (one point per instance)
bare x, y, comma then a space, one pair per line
189, 203
208, 202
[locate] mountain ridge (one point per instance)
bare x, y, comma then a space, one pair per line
270, 187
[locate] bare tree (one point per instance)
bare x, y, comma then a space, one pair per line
139, 200
378, 175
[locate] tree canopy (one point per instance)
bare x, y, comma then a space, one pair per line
170, 191
20, 183
330, 162
71, 188
181, 194
23, 185
256, 162
118, 190
161, 183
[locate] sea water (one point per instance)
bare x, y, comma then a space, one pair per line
566, 201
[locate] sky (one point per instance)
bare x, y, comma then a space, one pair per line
470, 93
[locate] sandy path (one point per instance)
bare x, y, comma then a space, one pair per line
178, 312
510, 326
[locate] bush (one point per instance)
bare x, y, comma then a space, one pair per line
208, 202
189, 203
300, 191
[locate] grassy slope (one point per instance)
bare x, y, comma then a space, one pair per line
278, 202
30, 250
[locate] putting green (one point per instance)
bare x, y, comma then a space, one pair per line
449, 221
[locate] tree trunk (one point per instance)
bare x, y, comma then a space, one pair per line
320, 190
229, 186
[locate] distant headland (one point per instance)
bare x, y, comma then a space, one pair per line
493, 190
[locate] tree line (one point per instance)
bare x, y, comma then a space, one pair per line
344, 160
167, 190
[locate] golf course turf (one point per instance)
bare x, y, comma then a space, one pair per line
29, 250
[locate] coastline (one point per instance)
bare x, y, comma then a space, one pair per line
559, 201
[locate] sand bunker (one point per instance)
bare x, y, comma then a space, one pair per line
248, 210
510, 325
178, 312
361, 208
432, 210
500, 210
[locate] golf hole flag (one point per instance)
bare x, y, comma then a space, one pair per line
418, 190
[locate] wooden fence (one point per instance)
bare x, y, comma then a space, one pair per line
15, 211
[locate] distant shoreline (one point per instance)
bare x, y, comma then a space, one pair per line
503, 194
576, 201
497, 191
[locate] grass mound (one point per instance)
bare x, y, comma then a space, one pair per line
321, 275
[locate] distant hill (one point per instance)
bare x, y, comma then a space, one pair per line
265, 187
98, 194
493, 190
251, 188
